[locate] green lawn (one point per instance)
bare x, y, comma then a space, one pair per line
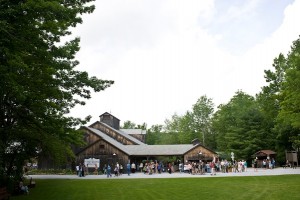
256, 187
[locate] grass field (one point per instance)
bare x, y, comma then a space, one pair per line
285, 187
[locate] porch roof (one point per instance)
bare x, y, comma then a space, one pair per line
158, 150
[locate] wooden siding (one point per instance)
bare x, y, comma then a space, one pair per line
140, 137
100, 149
110, 120
194, 154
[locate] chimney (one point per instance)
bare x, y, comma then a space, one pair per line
195, 141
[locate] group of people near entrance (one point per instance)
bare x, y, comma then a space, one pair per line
80, 169
212, 167
117, 170
265, 163
268, 163
156, 167
201, 167
146, 168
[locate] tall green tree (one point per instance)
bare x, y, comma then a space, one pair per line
289, 113
194, 124
153, 134
142, 126
39, 83
238, 125
181, 127
269, 101
128, 125
279, 101
203, 111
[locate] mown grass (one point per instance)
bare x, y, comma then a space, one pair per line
256, 187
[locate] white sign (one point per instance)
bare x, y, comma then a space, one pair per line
92, 162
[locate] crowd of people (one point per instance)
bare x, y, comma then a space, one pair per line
212, 167
81, 169
143, 167
156, 167
192, 167
268, 163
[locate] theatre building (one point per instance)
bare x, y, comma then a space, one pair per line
110, 144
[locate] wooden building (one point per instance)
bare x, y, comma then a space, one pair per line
264, 155
105, 141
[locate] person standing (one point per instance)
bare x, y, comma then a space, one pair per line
77, 170
105, 169
128, 168
133, 167
212, 167
121, 169
264, 164
245, 165
141, 166
255, 164
108, 171
82, 170
273, 163
117, 169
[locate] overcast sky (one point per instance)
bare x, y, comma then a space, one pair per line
165, 54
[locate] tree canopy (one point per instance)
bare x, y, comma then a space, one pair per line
39, 81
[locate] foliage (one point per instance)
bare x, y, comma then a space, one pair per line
39, 83
153, 134
131, 125
238, 126
50, 171
289, 114
128, 125
193, 124
279, 101
202, 114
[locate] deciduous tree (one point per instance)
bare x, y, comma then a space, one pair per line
39, 81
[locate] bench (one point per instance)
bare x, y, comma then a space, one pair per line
4, 195
286, 165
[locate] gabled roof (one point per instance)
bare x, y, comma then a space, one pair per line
108, 139
264, 152
129, 137
158, 150
134, 131
106, 113
141, 150
144, 149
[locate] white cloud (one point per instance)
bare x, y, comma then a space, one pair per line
163, 57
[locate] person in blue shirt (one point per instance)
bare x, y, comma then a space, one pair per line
128, 168
108, 171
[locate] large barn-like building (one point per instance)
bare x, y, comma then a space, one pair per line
110, 144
